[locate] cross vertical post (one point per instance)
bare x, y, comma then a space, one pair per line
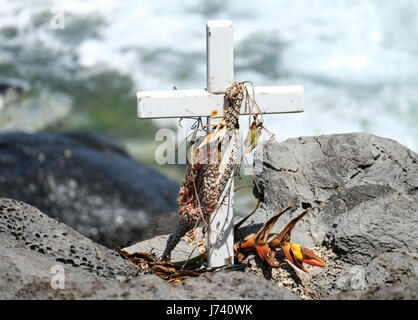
220, 75
219, 55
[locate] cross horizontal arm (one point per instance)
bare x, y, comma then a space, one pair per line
201, 103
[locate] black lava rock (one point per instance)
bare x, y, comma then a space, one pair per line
86, 181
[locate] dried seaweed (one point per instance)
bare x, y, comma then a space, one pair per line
171, 272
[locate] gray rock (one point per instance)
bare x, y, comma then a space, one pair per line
234, 286
156, 245
363, 191
33, 247
388, 224
18, 85
333, 174
407, 290
89, 183
27, 230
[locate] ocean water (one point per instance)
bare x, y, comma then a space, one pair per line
355, 59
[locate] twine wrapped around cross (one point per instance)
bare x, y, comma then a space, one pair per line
204, 184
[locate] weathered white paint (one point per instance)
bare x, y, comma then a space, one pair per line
279, 99
204, 103
219, 55
220, 239
201, 103
178, 103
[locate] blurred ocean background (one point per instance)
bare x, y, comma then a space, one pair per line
356, 59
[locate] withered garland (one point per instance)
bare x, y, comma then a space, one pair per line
205, 181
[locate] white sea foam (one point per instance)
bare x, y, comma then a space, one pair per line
356, 59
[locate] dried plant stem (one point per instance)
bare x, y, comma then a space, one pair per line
204, 183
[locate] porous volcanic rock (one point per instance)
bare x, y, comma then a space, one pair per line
36, 249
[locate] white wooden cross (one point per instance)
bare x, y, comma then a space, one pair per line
209, 101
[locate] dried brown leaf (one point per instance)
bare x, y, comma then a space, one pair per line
201, 246
191, 236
